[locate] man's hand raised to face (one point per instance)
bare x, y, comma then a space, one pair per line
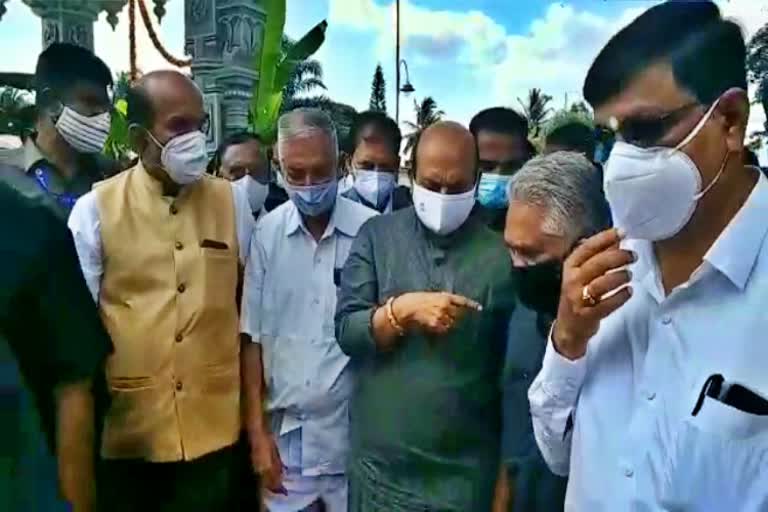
591, 276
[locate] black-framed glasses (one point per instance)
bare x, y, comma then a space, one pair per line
645, 131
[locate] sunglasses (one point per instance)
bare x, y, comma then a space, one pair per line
644, 131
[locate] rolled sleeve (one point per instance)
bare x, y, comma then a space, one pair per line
553, 397
253, 288
357, 298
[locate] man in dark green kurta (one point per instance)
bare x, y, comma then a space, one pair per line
424, 301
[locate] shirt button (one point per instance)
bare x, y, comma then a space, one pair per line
181, 288
179, 246
306, 383
628, 472
179, 385
174, 210
666, 320
650, 395
179, 337
316, 302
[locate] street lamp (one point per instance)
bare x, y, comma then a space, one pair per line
406, 88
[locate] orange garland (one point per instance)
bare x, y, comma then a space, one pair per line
182, 63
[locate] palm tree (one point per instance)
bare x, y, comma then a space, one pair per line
427, 113
16, 112
535, 109
306, 78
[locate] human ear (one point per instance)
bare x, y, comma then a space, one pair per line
734, 109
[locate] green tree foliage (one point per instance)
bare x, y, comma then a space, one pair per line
276, 67
378, 100
427, 114
17, 112
303, 82
535, 109
757, 61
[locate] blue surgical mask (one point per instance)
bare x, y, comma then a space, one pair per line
492, 190
313, 200
375, 187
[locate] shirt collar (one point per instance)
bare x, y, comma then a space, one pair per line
147, 180
733, 254
736, 249
342, 219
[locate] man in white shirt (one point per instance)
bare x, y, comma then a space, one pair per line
376, 164
653, 397
289, 299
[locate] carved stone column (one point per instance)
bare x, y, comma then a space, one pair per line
71, 21
224, 38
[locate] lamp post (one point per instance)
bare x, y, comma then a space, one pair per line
406, 88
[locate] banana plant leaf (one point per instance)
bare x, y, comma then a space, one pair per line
300, 51
118, 144
275, 68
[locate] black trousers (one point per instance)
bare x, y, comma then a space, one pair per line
219, 481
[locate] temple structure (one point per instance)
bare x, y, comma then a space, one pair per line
223, 37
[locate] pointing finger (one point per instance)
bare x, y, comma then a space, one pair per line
464, 302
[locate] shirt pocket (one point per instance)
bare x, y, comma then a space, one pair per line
718, 460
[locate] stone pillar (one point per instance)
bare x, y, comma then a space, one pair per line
71, 21
224, 39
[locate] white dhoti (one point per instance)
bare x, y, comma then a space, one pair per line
304, 490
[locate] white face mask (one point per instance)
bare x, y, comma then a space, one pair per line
86, 134
374, 186
256, 192
442, 213
653, 192
185, 157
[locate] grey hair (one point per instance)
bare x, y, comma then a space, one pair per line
568, 187
303, 122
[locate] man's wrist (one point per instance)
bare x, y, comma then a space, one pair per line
565, 344
400, 311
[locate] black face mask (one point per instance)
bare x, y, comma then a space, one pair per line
539, 286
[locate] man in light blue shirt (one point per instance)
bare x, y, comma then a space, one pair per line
294, 363
653, 393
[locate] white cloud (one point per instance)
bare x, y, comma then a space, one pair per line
468, 37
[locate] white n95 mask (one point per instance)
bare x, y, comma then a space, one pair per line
185, 157
442, 213
653, 192
255, 191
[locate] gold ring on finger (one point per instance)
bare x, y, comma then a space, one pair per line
587, 298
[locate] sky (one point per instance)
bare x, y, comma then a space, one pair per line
466, 54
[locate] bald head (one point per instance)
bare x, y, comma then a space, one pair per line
163, 105
446, 158
158, 92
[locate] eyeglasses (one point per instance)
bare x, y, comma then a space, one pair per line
645, 131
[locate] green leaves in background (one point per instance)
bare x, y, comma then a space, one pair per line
275, 68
